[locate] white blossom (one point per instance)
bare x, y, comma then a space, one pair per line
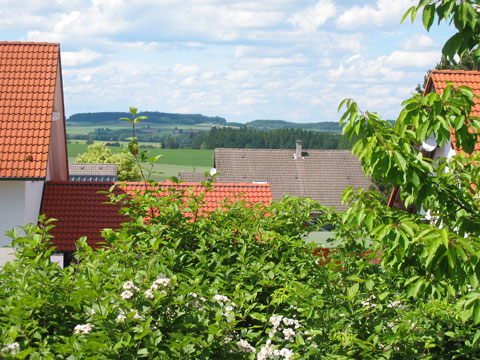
286, 353
275, 320
127, 294
149, 294
83, 329
12, 348
288, 333
222, 298
243, 345
162, 280
121, 318
394, 304
269, 352
368, 302
129, 285
137, 316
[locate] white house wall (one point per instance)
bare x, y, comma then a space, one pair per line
445, 151
12, 207
33, 200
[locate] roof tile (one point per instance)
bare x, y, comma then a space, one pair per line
26, 101
80, 209
470, 78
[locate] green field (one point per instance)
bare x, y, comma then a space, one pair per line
170, 164
83, 128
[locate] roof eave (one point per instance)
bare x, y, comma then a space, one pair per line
22, 178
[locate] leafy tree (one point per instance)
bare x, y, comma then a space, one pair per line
97, 153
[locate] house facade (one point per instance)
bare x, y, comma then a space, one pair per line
437, 81
32, 130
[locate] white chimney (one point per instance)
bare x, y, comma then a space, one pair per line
298, 152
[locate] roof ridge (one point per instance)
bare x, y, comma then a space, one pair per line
140, 183
452, 71
28, 43
292, 149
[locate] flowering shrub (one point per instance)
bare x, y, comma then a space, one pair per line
236, 284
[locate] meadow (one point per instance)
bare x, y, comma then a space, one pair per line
170, 164
84, 128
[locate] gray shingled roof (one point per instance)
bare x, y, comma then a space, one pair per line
319, 174
92, 172
191, 177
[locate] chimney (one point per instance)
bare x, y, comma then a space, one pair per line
298, 152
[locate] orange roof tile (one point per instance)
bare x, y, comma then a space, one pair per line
80, 211
470, 78
28, 72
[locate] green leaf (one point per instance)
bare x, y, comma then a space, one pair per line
142, 352
369, 284
444, 237
400, 160
133, 111
353, 290
407, 13
451, 256
428, 16
476, 313
452, 45
476, 337
415, 288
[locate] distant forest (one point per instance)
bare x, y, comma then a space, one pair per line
257, 134
262, 139
228, 137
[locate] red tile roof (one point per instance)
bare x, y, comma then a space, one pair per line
470, 78
28, 72
437, 82
80, 211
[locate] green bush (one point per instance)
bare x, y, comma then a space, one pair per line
97, 153
239, 283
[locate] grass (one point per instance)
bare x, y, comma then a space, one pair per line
170, 164
75, 128
183, 157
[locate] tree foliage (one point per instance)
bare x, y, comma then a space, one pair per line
97, 153
244, 137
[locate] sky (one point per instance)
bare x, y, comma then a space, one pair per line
243, 60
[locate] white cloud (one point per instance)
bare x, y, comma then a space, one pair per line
183, 69
240, 59
404, 59
311, 18
76, 58
417, 42
384, 13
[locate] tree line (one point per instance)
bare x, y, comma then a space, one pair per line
217, 137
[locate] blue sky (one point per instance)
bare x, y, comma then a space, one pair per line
240, 59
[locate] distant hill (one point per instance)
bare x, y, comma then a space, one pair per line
154, 117
329, 126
